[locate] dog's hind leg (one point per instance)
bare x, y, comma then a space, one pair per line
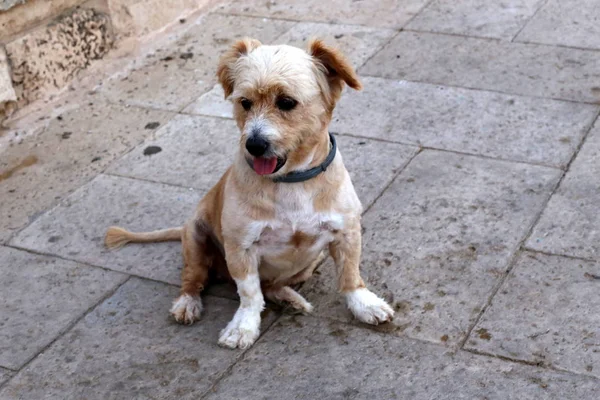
289, 295
198, 255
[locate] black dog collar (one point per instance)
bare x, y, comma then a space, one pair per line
301, 176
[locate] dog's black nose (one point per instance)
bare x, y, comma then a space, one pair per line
256, 145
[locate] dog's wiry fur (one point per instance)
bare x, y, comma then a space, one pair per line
267, 236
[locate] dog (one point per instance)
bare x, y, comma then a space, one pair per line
286, 200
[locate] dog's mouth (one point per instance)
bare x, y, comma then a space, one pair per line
267, 165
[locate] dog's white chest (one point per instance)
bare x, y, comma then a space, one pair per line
297, 227
297, 234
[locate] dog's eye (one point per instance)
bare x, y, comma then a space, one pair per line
286, 103
247, 104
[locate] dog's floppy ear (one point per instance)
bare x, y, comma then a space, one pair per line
335, 66
226, 64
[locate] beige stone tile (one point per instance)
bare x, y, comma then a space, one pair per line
40, 297
386, 13
75, 229
38, 170
545, 312
128, 347
570, 224
515, 68
483, 18
438, 241
572, 23
306, 358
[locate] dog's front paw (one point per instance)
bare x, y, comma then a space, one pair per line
241, 332
186, 309
368, 307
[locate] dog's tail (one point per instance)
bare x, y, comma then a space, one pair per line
118, 237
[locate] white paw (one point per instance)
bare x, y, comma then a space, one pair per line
186, 309
368, 307
242, 331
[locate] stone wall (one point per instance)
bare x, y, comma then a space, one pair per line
6, 4
49, 57
8, 97
45, 44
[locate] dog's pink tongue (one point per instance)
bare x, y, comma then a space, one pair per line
265, 166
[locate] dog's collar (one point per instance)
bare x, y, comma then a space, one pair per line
301, 176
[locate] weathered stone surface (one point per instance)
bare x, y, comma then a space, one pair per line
39, 297
196, 151
546, 312
358, 43
565, 22
37, 170
388, 13
6, 4
140, 17
308, 358
176, 76
128, 347
364, 160
29, 14
517, 68
570, 223
205, 42
211, 103
483, 18
49, 57
5, 375
75, 229
8, 97
473, 121
162, 85
438, 241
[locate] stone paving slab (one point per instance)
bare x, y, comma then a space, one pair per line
39, 297
358, 43
75, 229
438, 241
129, 347
307, 358
573, 23
546, 312
474, 121
211, 103
570, 224
516, 68
387, 14
73, 148
161, 85
482, 18
196, 151
175, 77
5, 375
479, 122
211, 36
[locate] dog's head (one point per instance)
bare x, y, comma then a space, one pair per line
283, 99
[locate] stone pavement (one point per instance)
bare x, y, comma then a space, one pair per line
474, 148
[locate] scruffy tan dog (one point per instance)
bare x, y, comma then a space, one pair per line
286, 198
